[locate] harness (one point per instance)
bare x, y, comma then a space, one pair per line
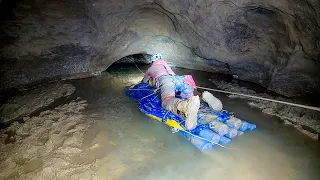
187, 78
167, 71
158, 79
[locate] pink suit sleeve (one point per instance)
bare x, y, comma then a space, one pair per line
146, 77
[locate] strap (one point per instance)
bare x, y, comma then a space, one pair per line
164, 119
167, 70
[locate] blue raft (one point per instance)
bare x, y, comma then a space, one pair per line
213, 127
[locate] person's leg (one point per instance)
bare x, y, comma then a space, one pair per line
185, 89
207, 97
167, 90
190, 108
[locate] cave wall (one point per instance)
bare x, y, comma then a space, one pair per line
272, 43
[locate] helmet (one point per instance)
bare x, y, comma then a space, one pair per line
156, 56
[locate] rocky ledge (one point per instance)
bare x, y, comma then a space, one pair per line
33, 100
46, 146
305, 120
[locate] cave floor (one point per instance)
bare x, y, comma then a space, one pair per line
116, 141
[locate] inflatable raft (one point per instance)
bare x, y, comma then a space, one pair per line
214, 128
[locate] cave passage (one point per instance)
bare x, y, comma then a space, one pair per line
148, 150
102, 134
65, 65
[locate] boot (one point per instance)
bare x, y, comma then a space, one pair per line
190, 108
212, 101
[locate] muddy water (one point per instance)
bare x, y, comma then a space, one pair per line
133, 146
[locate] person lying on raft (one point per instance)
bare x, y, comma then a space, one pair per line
169, 83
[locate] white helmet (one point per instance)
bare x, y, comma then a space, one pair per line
156, 56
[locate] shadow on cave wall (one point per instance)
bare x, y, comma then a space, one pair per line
135, 58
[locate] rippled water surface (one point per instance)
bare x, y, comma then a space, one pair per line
137, 147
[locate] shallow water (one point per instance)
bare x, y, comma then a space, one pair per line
133, 146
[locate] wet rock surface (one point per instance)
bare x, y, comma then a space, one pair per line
42, 147
33, 100
305, 120
272, 43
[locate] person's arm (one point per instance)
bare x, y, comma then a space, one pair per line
146, 77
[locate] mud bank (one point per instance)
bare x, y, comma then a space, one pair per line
68, 142
31, 101
44, 146
306, 121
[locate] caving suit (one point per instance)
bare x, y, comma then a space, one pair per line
169, 83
